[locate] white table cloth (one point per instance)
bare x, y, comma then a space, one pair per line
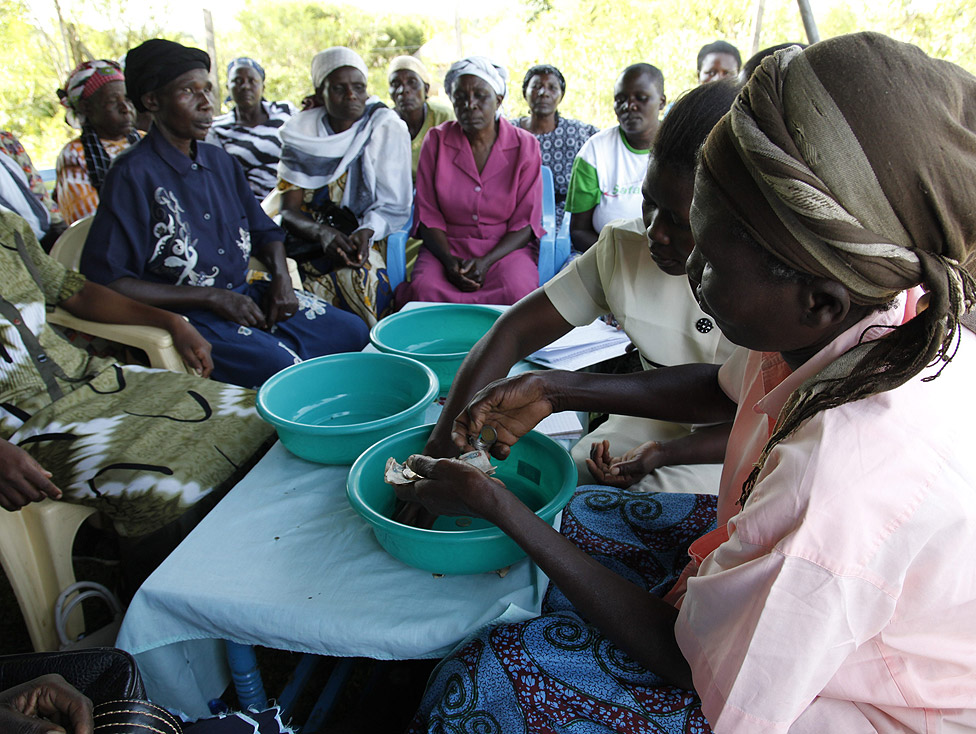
283, 561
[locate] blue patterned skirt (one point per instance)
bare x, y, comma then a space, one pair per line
557, 673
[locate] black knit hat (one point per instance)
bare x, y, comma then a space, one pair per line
155, 63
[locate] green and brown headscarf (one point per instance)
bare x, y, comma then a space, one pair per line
855, 160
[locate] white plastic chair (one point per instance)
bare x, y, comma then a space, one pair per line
155, 342
35, 551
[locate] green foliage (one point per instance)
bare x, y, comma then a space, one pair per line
592, 41
29, 105
284, 36
589, 40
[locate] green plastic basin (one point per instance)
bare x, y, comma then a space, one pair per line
438, 334
539, 471
330, 409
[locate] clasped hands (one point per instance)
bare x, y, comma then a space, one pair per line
350, 251
467, 275
280, 305
45, 705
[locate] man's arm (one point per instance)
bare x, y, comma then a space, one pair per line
683, 394
581, 230
529, 325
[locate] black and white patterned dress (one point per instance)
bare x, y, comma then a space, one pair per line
256, 148
559, 149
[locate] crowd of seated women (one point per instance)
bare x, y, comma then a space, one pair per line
824, 591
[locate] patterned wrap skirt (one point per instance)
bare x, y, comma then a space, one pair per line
557, 673
142, 445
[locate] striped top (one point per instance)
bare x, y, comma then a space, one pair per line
256, 148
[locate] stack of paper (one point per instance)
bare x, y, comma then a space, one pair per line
582, 347
561, 425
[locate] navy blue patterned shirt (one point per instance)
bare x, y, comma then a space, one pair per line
168, 218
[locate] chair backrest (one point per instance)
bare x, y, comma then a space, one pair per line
67, 248
35, 550
554, 245
272, 203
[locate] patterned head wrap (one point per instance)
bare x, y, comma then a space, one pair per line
325, 62
245, 61
833, 166
155, 63
83, 82
409, 63
481, 67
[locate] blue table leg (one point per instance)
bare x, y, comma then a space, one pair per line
337, 679
247, 678
303, 672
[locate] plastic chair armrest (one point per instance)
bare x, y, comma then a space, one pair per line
155, 342
563, 243
548, 266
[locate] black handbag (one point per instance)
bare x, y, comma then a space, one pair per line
329, 213
108, 676
101, 673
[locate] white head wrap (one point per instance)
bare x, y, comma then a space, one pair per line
325, 62
481, 67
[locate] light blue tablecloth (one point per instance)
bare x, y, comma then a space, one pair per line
283, 561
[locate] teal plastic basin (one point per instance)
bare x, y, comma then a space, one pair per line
330, 409
438, 334
539, 471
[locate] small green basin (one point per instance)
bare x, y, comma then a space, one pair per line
539, 471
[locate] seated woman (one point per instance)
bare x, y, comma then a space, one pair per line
46, 220
148, 448
94, 97
479, 198
249, 132
812, 608
636, 271
718, 60
560, 138
606, 178
345, 186
410, 90
178, 223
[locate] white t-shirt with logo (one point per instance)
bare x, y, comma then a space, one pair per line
607, 177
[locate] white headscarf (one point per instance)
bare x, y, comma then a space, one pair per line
325, 62
481, 67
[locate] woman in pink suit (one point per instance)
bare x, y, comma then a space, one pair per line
479, 198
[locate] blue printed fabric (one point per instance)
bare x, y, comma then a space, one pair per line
557, 673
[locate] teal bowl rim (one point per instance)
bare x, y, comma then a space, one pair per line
433, 389
391, 321
376, 519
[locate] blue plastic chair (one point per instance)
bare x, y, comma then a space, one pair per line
553, 246
396, 253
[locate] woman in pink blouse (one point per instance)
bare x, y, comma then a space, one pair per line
837, 593
479, 198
